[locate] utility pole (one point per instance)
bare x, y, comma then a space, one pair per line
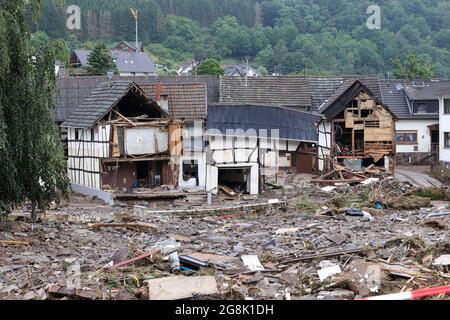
134, 12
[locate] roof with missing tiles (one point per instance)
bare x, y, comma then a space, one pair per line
99, 102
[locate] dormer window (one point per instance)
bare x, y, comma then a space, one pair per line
422, 108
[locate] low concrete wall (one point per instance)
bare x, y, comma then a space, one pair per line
102, 195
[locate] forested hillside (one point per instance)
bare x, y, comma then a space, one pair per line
285, 36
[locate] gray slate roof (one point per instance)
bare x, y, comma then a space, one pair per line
346, 93
292, 124
397, 98
274, 91
135, 62
83, 56
325, 90
98, 104
241, 69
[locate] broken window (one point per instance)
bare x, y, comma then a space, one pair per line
190, 171
406, 137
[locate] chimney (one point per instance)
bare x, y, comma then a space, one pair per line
158, 91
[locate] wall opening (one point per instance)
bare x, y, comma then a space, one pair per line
237, 179
190, 172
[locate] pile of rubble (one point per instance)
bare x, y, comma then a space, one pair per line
339, 174
263, 252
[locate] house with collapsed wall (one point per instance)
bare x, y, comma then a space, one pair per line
248, 144
119, 139
186, 102
357, 130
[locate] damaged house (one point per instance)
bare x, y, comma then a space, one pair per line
248, 144
186, 102
358, 130
119, 139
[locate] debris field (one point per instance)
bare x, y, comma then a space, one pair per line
296, 242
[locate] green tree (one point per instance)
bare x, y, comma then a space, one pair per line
100, 61
210, 67
32, 160
414, 67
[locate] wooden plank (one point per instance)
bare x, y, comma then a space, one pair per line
211, 258
349, 121
337, 181
176, 288
378, 134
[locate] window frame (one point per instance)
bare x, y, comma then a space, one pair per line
447, 140
407, 142
447, 107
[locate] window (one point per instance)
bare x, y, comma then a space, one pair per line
447, 106
77, 134
406, 137
190, 171
447, 139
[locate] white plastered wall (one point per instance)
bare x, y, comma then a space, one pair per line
423, 135
85, 154
444, 126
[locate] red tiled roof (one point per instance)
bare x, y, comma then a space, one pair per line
187, 101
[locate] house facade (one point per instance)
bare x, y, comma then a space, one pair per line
416, 104
119, 139
248, 144
188, 103
357, 130
444, 133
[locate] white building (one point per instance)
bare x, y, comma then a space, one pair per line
248, 144
357, 130
416, 104
444, 120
